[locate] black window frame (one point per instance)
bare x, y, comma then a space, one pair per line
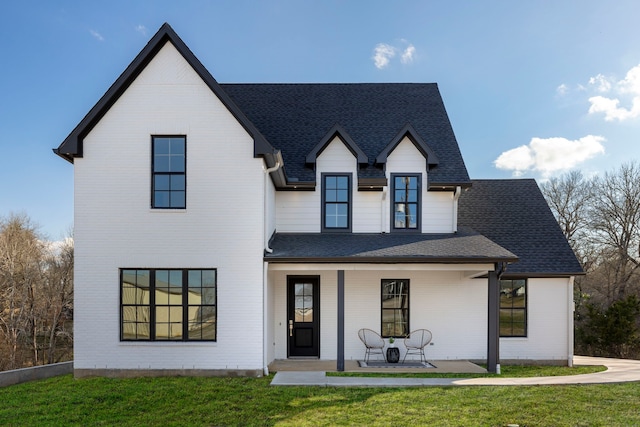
170, 174
418, 203
509, 312
325, 202
403, 311
152, 306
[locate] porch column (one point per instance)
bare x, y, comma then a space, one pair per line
493, 334
340, 358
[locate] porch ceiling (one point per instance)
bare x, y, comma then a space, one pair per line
464, 247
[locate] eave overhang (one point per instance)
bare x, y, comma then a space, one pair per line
388, 260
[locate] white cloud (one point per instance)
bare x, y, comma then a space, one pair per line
383, 54
610, 107
601, 83
97, 35
631, 82
562, 89
551, 155
142, 30
407, 55
612, 111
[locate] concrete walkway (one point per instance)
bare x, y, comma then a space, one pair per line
618, 371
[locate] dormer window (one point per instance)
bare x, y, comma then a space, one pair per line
336, 202
406, 202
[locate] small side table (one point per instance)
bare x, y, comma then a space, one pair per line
393, 354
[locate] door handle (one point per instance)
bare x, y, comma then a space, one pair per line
290, 328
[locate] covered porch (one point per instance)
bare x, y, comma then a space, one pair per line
320, 290
315, 365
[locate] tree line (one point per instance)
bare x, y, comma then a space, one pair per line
600, 217
36, 296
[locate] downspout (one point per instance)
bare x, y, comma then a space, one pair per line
570, 331
383, 211
456, 196
265, 267
266, 186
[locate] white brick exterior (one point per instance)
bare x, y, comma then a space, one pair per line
221, 228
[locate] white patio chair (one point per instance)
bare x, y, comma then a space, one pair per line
415, 343
373, 343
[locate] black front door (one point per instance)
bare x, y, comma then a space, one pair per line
303, 316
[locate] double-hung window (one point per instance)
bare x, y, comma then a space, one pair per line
169, 172
395, 307
513, 308
406, 202
168, 305
336, 202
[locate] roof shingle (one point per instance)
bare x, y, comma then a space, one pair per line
295, 117
514, 214
466, 246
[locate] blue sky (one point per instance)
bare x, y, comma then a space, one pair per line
532, 88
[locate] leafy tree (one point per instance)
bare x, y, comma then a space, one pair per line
613, 331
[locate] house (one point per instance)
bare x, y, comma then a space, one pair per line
220, 227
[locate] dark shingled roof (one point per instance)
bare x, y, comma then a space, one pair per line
466, 246
514, 214
296, 117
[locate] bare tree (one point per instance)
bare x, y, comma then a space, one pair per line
57, 295
569, 198
20, 270
615, 223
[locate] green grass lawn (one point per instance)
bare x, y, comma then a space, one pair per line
250, 401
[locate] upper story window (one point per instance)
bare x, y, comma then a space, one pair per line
169, 172
336, 202
406, 202
513, 308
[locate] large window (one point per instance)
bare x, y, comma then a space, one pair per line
169, 172
395, 308
513, 308
168, 305
406, 202
336, 202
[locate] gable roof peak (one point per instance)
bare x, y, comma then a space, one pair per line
337, 131
72, 146
409, 131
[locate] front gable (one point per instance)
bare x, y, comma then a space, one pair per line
73, 145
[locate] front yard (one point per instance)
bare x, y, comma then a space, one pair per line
250, 401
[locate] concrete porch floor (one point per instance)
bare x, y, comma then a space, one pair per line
315, 365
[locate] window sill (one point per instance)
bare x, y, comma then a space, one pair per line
168, 210
167, 343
